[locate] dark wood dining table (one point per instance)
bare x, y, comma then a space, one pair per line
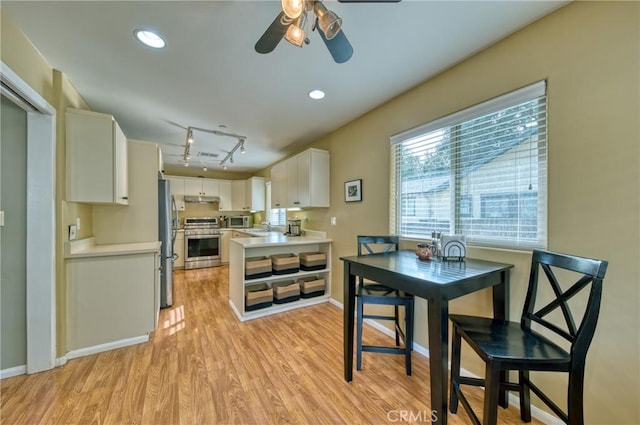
437, 281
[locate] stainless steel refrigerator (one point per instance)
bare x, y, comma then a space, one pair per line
167, 227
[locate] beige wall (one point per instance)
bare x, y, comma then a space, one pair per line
589, 54
138, 221
23, 58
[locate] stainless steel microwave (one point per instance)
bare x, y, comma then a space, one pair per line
240, 221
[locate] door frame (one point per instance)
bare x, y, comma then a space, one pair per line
41, 218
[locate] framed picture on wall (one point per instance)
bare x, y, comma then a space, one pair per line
353, 191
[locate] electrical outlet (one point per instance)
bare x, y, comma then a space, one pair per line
78, 223
333, 221
72, 232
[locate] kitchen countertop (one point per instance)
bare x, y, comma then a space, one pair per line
277, 238
87, 248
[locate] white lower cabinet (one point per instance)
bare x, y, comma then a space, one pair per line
224, 250
178, 248
244, 248
112, 300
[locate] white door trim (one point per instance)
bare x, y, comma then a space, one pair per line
41, 235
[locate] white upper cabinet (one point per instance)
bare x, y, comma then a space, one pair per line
177, 189
238, 195
248, 195
96, 159
201, 187
304, 179
255, 193
279, 185
225, 195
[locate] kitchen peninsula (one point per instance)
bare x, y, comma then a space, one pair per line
273, 243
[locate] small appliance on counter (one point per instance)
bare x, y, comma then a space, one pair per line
240, 221
294, 227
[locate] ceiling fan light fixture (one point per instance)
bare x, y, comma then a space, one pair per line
295, 33
292, 8
330, 23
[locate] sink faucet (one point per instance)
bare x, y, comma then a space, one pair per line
266, 223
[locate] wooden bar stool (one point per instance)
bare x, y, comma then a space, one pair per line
522, 346
370, 292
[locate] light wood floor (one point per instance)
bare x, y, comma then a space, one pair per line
202, 366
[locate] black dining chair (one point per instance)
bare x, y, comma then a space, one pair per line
506, 346
370, 292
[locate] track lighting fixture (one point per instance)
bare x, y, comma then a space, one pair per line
229, 157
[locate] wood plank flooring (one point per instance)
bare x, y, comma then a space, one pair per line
202, 366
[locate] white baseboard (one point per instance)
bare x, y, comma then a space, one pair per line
73, 354
13, 371
514, 400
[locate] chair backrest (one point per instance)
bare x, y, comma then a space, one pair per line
376, 244
592, 272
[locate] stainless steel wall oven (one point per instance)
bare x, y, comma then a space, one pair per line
202, 244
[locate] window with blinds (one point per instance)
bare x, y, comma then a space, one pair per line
481, 173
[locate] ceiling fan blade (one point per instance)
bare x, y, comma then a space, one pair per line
369, 1
273, 34
338, 46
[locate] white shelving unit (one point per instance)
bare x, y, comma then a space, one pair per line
244, 248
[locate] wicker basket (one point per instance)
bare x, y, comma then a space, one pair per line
257, 297
311, 286
285, 263
313, 261
257, 267
285, 292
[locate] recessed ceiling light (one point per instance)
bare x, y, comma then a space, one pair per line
150, 38
316, 94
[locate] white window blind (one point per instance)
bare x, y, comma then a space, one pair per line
481, 172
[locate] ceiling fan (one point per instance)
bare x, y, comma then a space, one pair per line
291, 23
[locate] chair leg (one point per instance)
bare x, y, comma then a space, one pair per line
396, 314
455, 370
491, 394
359, 334
408, 335
575, 405
525, 396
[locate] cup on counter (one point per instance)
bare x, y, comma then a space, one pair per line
426, 250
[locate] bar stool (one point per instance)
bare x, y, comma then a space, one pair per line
370, 292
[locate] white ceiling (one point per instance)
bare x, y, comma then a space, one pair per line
210, 75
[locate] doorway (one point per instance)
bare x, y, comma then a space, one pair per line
39, 224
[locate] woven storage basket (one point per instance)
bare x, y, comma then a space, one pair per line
257, 267
311, 286
313, 261
285, 263
257, 297
285, 292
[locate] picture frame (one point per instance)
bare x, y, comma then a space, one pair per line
353, 190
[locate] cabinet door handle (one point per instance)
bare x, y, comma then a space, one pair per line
296, 203
125, 197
